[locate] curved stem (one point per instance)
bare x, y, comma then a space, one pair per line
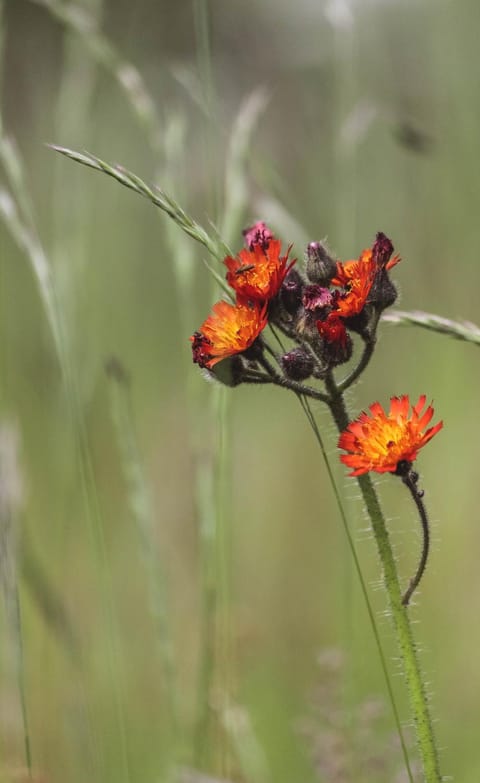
369, 339
346, 382
411, 666
410, 481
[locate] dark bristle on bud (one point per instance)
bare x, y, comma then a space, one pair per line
320, 264
297, 364
383, 293
291, 291
334, 354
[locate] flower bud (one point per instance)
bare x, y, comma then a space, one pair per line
321, 267
297, 364
383, 293
337, 347
291, 292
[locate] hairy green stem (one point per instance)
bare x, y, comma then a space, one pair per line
411, 666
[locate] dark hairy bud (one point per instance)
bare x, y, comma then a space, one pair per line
297, 364
320, 264
291, 291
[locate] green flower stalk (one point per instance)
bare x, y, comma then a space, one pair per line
390, 443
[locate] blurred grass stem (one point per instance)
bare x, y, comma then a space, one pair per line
10, 497
81, 22
21, 224
215, 655
141, 507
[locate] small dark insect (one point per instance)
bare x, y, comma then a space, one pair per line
246, 268
413, 138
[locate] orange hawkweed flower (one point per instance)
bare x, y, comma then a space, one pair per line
381, 441
229, 330
257, 274
358, 277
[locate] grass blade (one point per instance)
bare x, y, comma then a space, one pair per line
156, 196
459, 330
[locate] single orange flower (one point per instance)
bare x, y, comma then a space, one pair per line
381, 441
229, 330
357, 277
258, 273
350, 271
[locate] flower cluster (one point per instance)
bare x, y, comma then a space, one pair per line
318, 308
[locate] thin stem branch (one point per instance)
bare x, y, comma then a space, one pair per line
286, 383
410, 481
255, 377
369, 340
367, 354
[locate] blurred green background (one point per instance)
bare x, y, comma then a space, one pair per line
173, 543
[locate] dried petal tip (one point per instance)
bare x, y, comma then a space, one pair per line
315, 297
382, 441
258, 234
382, 250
